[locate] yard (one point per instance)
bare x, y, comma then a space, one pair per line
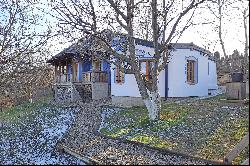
207, 128
29, 133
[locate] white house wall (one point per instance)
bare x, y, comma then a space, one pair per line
148, 52
177, 85
128, 88
177, 77
161, 83
212, 77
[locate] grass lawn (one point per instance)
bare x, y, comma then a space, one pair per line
207, 128
23, 110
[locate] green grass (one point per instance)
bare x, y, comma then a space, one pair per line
225, 139
136, 126
219, 97
117, 132
139, 124
19, 111
171, 114
153, 141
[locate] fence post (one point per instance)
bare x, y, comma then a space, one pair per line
237, 149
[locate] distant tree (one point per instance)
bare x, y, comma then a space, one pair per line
22, 40
219, 9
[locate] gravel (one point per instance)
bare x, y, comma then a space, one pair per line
84, 139
33, 139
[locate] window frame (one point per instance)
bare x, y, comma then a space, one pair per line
191, 70
149, 66
119, 76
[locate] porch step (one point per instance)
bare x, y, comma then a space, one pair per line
85, 91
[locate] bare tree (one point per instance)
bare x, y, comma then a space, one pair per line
243, 10
219, 8
166, 19
22, 42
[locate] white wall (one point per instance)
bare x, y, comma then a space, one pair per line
148, 51
212, 77
161, 83
130, 87
177, 77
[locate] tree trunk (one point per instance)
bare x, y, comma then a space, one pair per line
151, 100
220, 31
153, 105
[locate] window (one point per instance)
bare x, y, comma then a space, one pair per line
191, 71
146, 68
119, 76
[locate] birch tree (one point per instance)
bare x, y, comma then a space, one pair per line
167, 20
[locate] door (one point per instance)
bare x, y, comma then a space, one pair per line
75, 71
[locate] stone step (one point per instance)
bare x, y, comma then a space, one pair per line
85, 91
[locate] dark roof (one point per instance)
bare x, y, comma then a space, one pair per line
76, 50
84, 47
79, 50
144, 42
192, 46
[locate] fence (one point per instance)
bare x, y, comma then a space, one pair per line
236, 151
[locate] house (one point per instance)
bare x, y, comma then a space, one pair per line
191, 71
80, 75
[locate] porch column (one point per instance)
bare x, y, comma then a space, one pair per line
67, 72
60, 73
56, 67
73, 71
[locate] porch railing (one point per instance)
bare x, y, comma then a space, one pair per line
63, 78
96, 76
87, 77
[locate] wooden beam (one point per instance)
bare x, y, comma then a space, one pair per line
56, 70
86, 159
60, 72
237, 149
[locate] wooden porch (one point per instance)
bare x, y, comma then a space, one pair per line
87, 77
